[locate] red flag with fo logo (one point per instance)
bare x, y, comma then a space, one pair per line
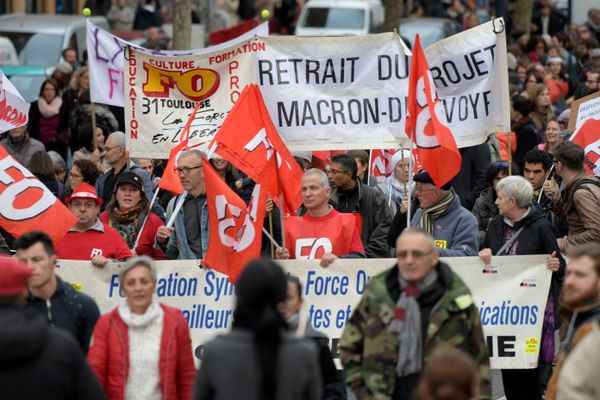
26, 204
426, 123
170, 180
248, 139
235, 229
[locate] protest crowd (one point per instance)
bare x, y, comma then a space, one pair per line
416, 332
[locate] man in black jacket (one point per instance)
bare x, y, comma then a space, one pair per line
37, 362
50, 296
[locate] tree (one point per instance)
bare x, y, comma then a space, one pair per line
393, 13
182, 24
522, 16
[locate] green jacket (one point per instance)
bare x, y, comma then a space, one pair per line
369, 350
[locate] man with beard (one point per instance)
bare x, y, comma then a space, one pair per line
581, 293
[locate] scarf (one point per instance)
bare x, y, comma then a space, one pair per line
407, 325
396, 189
432, 213
132, 320
49, 109
126, 223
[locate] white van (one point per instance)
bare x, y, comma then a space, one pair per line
39, 38
340, 17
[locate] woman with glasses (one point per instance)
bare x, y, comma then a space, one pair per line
129, 213
82, 171
532, 79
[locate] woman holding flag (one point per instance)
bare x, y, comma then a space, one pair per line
129, 213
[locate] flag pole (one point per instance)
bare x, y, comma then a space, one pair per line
410, 179
273, 241
369, 167
509, 156
271, 230
137, 239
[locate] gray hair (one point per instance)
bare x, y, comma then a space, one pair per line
518, 188
119, 138
322, 176
58, 162
144, 261
82, 154
199, 154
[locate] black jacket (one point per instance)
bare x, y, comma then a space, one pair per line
537, 237
333, 384
37, 362
470, 180
70, 310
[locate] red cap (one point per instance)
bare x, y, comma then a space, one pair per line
13, 276
84, 191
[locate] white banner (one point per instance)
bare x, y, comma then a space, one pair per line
511, 297
331, 92
470, 73
106, 60
14, 110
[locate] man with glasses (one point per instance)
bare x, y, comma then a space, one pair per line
577, 202
352, 196
453, 227
188, 238
404, 314
89, 238
117, 157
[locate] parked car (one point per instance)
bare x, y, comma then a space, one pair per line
429, 29
340, 17
27, 79
39, 39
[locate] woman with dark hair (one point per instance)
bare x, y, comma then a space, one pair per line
257, 360
83, 171
485, 206
225, 170
536, 48
44, 113
129, 213
532, 79
42, 167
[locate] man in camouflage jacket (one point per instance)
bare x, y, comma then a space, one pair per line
369, 347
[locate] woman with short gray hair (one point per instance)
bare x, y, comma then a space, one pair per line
142, 349
522, 229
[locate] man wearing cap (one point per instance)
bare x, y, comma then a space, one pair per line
89, 238
322, 233
36, 361
453, 227
58, 302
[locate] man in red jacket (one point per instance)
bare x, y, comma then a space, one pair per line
89, 238
322, 233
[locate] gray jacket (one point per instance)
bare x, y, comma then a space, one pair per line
177, 247
24, 150
230, 369
457, 229
376, 219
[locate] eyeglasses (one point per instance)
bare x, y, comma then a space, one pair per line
335, 171
591, 81
185, 170
416, 254
74, 175
108, 148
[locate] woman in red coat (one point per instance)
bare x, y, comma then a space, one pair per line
127, 212
142, 349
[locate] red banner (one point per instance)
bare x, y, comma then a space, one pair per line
235, 229
426, 123
588, 137
26, 204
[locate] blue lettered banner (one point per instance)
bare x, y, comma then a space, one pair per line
510, 294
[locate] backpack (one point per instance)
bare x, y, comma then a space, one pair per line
581, 184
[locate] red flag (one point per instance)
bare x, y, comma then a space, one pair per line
235, 229
426, 124
588, 137
380, 163
170, 180
26, 204
248, 139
